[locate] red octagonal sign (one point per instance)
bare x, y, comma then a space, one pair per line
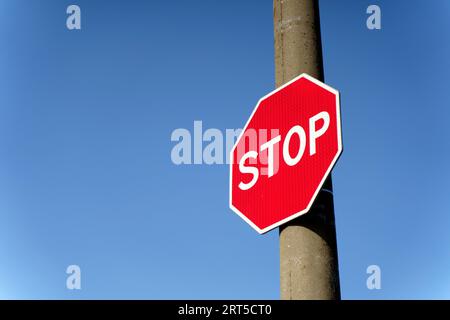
285, 152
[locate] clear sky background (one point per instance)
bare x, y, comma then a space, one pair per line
86, 176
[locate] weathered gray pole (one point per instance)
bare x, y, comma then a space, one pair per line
308, 252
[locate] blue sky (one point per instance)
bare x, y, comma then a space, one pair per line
85, 171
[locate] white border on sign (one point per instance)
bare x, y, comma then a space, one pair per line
333, 162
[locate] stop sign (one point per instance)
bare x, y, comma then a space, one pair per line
285, 152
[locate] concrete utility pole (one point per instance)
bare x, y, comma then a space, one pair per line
308, 251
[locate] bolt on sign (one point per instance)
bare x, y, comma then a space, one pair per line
285, 152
